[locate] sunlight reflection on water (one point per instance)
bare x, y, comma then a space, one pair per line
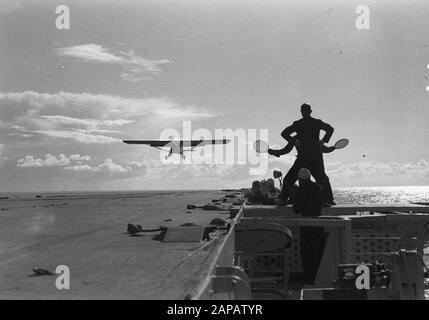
364, 195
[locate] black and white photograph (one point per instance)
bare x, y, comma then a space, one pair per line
214, 150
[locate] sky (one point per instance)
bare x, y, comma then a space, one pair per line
132, 69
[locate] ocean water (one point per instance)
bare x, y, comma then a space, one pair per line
367, 195
358, 195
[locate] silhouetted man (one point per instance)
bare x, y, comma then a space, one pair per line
309, 148
325, 149
308, 202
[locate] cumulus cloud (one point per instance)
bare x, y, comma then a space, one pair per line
136, 68
365, 172
79, 167
78, 157
108, 166
49, 161
376, 169
73, 162
237, 174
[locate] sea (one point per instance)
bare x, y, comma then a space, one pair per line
396, 194
353, 195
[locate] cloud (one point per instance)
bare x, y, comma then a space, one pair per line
73, 163
365, 172
88, 123
90, 105
49, 161
88, 118
78, 157
376, 169
237, 174
77, 136
79, 167
108, 166
137, 68
134, 77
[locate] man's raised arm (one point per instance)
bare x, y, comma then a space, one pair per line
329, 130
288, 148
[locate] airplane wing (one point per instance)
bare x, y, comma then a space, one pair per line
186, 143
152, 143
194, 143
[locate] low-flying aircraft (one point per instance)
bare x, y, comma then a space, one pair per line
177, 146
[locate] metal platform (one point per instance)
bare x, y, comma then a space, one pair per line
355, 233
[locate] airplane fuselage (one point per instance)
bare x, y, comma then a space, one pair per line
177, 148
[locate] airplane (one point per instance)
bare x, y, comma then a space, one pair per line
177, 146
